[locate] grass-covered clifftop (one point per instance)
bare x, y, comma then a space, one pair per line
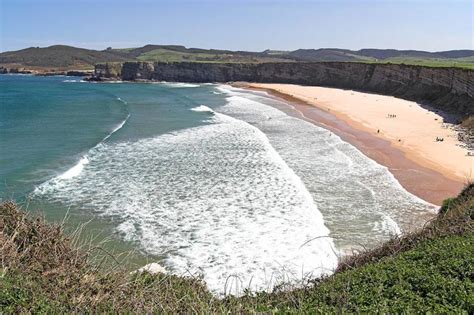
45, 270
62, 57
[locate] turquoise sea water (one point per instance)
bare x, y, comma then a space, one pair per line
208, 179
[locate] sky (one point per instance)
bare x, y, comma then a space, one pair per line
253, 25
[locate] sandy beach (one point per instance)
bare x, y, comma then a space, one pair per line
397, 133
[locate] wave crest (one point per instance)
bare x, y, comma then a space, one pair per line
215, 199
202, 108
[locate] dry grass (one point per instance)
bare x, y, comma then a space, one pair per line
43, 269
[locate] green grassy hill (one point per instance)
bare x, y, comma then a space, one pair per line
67, 57
172, 55
430, 271
453, 58
466, 63
59, 56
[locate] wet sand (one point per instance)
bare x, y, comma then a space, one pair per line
430, 180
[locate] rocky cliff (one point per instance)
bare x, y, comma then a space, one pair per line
449, 89
108, 70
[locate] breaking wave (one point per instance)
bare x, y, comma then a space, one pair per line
77, 169
117, 128
240, 200
361, 200
202, 108
215, 199
74, 81
179, 85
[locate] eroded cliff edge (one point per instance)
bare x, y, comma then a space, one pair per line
448, 89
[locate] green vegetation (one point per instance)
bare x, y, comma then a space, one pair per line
166, 55
58, 57
433, 277
457, 63
454, 58
67, 57
429, 271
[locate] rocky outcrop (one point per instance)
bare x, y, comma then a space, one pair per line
112, 70
51, 73
132, 71
78, 73
449, 89
5, 70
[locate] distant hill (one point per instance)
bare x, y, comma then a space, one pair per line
333, 54
67, 57
326, 54
175, 53
393, 53
452, 58
60, 56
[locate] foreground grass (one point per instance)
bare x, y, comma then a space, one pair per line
44, 270
434, 277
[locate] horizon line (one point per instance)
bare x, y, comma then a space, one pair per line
287, 50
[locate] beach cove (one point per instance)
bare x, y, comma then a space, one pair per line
399, 134
167, 167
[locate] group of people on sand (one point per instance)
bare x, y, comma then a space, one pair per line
391, 116
399, 140
438, 139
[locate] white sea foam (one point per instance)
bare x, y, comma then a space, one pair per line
121, 100
75, 170
202, 108
179, 85
117, 128
391, 226
215, 199
74, 81
354, 193
236, 199
19, 74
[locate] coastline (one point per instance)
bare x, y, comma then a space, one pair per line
424, 178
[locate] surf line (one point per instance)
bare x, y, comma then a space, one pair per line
79, 166
117, 128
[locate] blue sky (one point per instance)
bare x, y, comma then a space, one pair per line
239, 25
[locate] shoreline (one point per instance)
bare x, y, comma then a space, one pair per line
424, 179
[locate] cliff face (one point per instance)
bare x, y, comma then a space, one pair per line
108, 70
449, 89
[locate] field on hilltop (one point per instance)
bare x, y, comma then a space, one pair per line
67, 57
58, 57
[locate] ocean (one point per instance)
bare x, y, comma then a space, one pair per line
208, 179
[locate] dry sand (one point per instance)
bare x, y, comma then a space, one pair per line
396, 133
